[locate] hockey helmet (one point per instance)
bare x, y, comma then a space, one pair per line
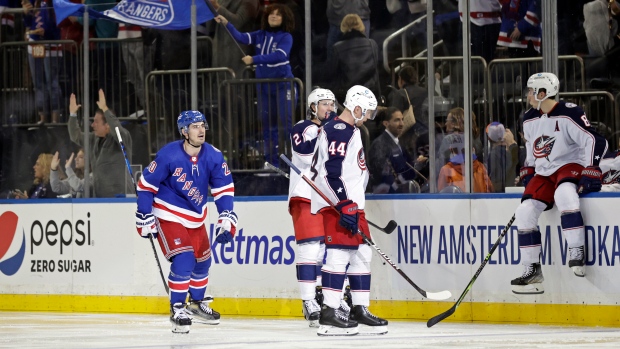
360, 96
189, 117
319, 94
547, 81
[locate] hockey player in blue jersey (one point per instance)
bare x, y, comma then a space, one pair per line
339, 171
308, 227
172, 206
562, 162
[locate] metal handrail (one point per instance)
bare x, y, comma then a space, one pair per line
400, 31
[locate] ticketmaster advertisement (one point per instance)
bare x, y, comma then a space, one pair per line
84, 248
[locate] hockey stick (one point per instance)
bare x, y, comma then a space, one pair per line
135, 188
388, 229
434, 320
430, 295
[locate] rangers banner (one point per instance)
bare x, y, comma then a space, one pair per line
159, 14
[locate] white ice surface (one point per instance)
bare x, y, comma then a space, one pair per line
78, 330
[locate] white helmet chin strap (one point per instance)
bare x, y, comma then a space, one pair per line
363, 113
539, 100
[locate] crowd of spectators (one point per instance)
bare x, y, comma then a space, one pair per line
345, 52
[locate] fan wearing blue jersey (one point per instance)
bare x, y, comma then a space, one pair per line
562, 162
308, 227
339, 171
172, 206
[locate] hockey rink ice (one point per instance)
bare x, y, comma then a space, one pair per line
80, 330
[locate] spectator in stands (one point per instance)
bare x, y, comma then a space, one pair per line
138, 59
107, 57
602, 28
520, 30
242, 15
503, 156
44, 60
354, 60
336, 11
41, 188
106, 156
451, 174
409, 91
74, 183
455, 128
273, 45
390, 167
486, 19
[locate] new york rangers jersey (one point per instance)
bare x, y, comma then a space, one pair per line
174, 185
562, 136
339, 165
303, 140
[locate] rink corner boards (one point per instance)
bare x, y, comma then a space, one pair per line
518, 313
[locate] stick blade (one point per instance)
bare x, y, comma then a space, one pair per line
389, 228
438, 296
435, 320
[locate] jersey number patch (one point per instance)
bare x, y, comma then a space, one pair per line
585, 120
296, 139
339, 149
226, 170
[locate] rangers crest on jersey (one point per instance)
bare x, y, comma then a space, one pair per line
543, 146
611, 177
361, 160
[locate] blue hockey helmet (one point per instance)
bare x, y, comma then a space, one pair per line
189, 117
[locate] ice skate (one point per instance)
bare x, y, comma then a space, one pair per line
367, 322
577, 260
530, 282
345, 308
312, 312
334, 322
202, 313
179, 318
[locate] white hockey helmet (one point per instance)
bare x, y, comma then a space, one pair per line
360, 96
547, 81
319, 94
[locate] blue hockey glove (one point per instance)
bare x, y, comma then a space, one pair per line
145, 224
226, 227
526, 174
349, 215
591, 180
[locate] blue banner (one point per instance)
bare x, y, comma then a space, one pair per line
170, 14
159, 14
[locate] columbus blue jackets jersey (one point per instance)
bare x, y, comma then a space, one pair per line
303, 140
610, 166
174, 187
562, 136
339, 165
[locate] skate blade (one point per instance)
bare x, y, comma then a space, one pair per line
313, 323
326, 330
183, 329
528, 289
579, 271
205, 322
365, 330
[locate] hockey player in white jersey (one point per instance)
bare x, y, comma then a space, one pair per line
562, 156
339, 171
308, 227
172, 206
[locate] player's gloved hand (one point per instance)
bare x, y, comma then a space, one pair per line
526, 173
591, 180
349, 215
226, 227
145, 224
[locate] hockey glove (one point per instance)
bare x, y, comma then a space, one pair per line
591, 180
145, 224
526, 174
226, 227
349, 215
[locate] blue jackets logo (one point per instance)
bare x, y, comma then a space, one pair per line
9, 265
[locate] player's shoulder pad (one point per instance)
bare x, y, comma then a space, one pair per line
572, 111
302, 125
339, 130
